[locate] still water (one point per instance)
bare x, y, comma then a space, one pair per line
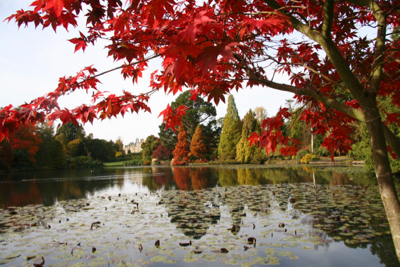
115, 216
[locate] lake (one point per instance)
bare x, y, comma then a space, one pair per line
194, 216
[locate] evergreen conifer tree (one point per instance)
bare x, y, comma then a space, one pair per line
245, 152
230, 132
182, 148
198, 146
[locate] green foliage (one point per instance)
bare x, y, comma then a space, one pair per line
231, 132
306, 158
301, 154
149, 146
43, 155
119, 145
71, 131
362, 150
84, 162
134, 162
101, 149
146, 162
57, 155
244, 152
73, 147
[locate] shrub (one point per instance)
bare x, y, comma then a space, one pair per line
84, 162
136, 162
301, 153
72, 165
306, 158
314, 157
146, 162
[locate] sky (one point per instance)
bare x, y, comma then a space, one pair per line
32, 60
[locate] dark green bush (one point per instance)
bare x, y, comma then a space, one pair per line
137, 162
84, 162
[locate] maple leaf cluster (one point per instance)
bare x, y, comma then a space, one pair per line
219, 46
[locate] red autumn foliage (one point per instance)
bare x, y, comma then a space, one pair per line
161, 153
198, 44
26, 138
218, 46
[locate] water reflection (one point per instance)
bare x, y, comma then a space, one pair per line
320, 208
19, 189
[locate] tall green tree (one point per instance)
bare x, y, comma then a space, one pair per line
244, 152
51, 152
101, 149
119, 146
43, 155
231, 132
149, 146
71, 131
57, 155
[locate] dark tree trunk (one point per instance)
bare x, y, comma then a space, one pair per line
383, 171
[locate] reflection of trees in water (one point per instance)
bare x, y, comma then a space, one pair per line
250, 177
348, 213
156, 178
47, 187
383, 247
182, 178
227, 177
260, 176
194, 178
199, 178
164, 177
192, 212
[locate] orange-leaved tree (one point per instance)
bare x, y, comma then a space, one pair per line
198, 146
182, 148
217, 46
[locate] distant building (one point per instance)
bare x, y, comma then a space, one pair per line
134, 147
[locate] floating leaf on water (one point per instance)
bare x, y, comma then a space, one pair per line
159, 258
12, 256
231, 262
285, 253
209, 257
306, 248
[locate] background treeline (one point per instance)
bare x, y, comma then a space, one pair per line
42, 147
203, 138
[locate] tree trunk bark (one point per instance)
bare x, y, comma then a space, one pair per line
383, 171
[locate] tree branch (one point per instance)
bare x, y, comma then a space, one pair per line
328, 19
327, 101
377, 70
392, 140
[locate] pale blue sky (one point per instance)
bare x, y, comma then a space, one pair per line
32, 60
